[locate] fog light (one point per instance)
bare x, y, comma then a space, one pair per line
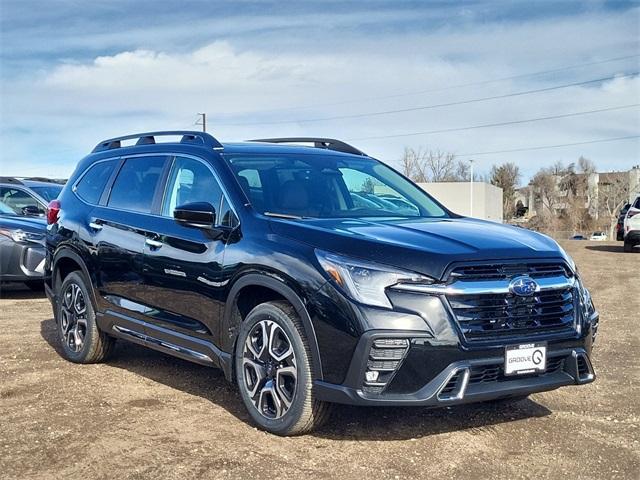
371, 376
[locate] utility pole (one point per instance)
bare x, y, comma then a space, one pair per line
471, 190
202, 121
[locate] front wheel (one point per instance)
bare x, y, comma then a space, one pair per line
274, 372
628, 246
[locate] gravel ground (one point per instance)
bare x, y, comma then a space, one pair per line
147, 415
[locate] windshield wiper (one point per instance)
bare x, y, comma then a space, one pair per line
284, 215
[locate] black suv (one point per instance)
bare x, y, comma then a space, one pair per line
309, 275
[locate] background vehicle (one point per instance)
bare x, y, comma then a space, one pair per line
21, 248
28, 197
598, 236
279, 265
620, 224
578, 237
632, 226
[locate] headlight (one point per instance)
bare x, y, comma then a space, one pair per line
21, 236
363, 281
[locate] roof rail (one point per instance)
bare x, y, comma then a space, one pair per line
192, 137
10, 180
326, 143
41, 179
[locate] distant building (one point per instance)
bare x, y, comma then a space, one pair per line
595, 188
456, 196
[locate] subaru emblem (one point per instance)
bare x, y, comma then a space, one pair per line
523, 286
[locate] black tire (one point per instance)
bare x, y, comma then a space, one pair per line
85, 344
35, 285
305, 412
628, 246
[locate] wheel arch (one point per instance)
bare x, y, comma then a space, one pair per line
65, 261
263, 288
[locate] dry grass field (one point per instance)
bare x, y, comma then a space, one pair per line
147, 415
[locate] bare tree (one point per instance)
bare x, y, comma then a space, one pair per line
586, 166
546, 192
612, 196
507, 177
433, 166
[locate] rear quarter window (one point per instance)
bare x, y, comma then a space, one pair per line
92, 183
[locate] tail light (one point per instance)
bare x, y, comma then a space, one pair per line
53, 210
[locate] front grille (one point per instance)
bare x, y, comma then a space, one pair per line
484, 317
495, 372
502, 271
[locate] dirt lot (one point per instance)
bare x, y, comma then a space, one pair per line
147, 415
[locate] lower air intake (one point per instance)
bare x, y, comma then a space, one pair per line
385, 357
455, 385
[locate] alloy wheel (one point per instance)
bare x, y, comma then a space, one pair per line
73, 319
270, 370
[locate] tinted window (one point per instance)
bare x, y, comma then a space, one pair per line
136, 184
92, 183
637, 204
190, 181
329, 186
17, 199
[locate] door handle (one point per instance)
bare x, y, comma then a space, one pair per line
153, 244
95, 226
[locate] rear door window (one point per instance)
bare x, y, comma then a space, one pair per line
135, 186
92, 183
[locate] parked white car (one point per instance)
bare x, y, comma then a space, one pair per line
598, 236
632, 226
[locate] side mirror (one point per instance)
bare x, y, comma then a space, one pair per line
31, 211
196, 214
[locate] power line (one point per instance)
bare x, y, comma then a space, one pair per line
452, 87
544, 147
437, 105
499, 124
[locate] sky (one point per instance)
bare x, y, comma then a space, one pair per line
378, 74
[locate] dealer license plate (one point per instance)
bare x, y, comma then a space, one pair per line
527, 358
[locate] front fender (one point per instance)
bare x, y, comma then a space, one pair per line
231, 322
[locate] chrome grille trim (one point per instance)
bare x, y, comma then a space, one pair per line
480, 287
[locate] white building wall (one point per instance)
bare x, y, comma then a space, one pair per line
487, 198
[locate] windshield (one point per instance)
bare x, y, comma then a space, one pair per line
328, 186
48, 192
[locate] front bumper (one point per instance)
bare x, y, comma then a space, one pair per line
20, 262
435, 375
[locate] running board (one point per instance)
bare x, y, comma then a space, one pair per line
163, 346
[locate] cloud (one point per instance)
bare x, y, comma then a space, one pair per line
256, 70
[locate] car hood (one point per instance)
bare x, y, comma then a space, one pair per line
426, 245
29, 224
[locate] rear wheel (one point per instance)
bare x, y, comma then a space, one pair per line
274, 372
80, 338
628, 246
